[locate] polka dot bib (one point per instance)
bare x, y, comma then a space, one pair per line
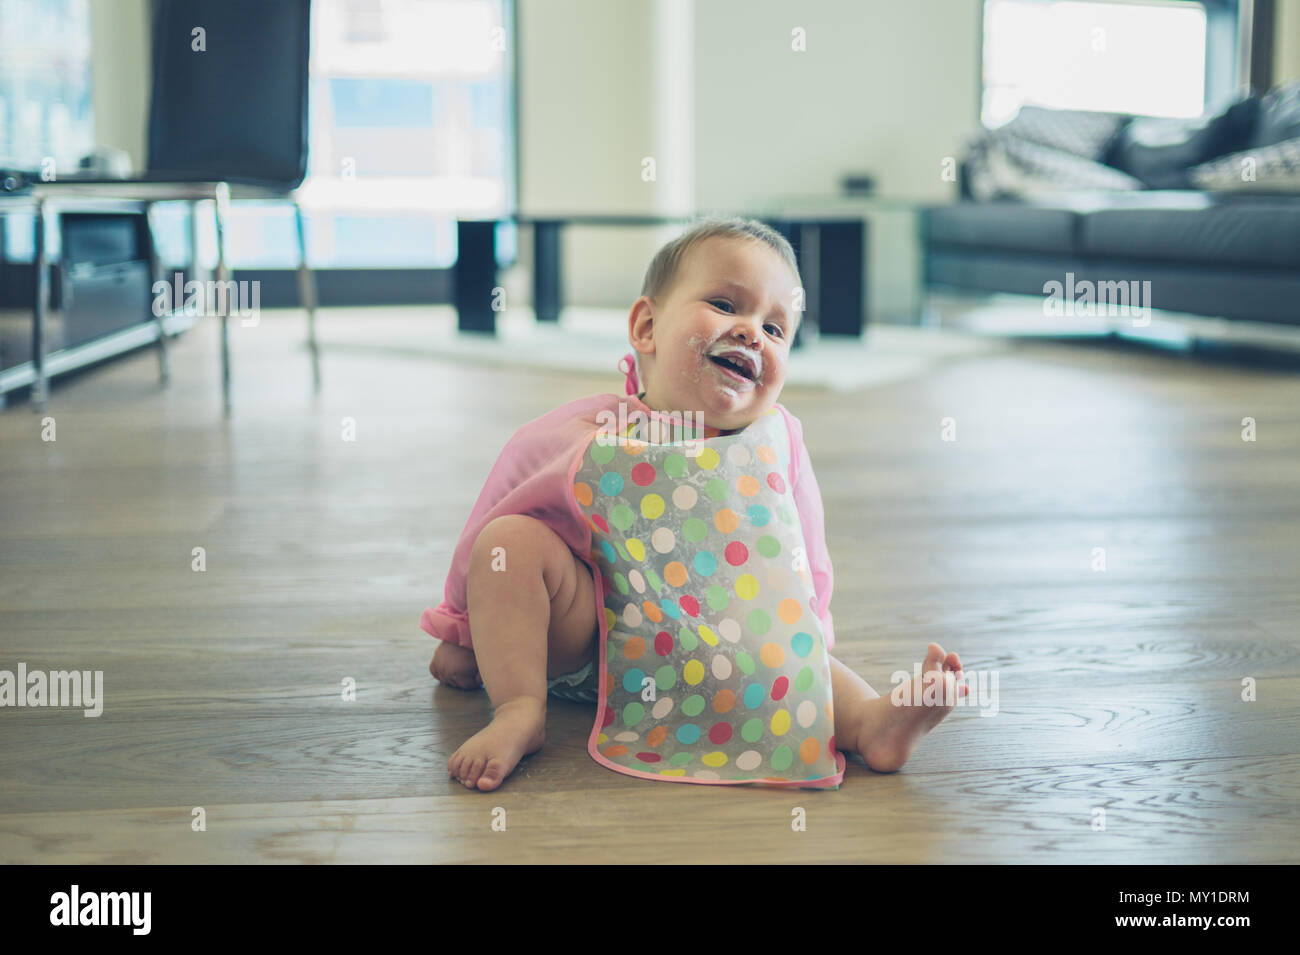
713, 666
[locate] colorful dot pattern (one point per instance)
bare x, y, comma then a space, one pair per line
716, 668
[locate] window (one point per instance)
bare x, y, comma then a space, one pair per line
45, 111
411, 125
1146, 59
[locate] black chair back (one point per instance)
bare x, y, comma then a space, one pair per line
236, 110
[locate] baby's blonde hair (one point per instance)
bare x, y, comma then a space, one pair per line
665, 265
667, 262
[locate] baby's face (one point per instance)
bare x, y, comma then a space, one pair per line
720, 340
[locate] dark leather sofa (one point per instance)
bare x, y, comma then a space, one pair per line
1231, 254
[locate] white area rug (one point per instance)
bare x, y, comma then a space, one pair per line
592, 341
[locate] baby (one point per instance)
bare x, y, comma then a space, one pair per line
712, 333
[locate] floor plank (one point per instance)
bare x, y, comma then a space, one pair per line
1118, 689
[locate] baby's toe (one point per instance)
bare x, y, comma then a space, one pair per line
492, 775
475, 771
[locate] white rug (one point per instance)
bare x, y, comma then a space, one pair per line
592, 341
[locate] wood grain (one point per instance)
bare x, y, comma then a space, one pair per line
1119, 689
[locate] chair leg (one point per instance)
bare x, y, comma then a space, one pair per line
222, 196
40, 395
307, 296
155, 274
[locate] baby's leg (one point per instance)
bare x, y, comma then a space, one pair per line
532, 612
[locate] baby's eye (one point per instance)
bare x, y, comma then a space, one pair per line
722, 300
780, 332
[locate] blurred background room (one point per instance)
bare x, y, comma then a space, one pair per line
279, 279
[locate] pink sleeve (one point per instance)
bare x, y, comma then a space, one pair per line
808, 501
533, 475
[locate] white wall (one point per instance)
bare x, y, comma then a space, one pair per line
120, 60
1286, 65
887, 88
602, 86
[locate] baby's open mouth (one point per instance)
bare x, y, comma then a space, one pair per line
735, 364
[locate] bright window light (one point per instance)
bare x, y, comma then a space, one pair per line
1144, 59
411, 127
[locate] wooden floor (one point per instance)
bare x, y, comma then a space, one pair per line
1119, 690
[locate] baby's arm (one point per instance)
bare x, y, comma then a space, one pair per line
532, 476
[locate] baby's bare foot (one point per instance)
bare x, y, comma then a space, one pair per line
455, 666
484, 760
889, 727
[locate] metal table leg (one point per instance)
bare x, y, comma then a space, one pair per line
840, 252
547, 293
475, 275
40, 308
3, 400
221, 195
155, 275
307, 296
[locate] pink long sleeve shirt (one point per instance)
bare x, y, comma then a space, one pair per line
534, 475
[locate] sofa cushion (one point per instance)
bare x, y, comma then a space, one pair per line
1023, 226
1083, 133
1027, 170
1160, 151
1274, 168
1048, 226
1279, 116
1237, 231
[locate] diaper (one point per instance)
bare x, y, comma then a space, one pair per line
580, 686
713, 667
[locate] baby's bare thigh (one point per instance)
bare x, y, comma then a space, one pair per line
572, 623
575, 629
